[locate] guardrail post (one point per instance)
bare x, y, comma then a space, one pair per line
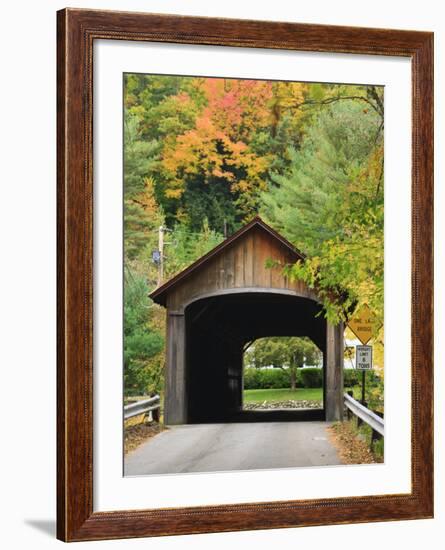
359, 420
147, 408
363, 414
348, 411
375, 436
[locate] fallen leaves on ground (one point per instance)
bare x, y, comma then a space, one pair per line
351, 449
136, 435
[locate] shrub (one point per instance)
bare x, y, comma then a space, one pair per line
255, 379
251, 381
311, 377
350, 377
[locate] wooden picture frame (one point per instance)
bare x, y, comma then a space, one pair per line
77, 31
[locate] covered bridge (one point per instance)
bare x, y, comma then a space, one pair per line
226, 299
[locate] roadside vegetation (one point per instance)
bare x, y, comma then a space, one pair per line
354, 444
138, 433
202, 156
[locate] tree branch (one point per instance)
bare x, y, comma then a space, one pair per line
330, 100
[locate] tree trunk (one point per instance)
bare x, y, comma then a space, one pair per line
293, 379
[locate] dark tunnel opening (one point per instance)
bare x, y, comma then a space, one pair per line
217, 331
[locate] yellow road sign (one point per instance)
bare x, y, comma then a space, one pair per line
364, 324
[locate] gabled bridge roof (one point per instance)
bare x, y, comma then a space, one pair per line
159, 295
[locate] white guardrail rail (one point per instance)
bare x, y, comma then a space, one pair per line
359, 410
142, 407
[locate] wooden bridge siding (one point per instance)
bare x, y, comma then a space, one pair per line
249, 264
175, 409
239, 253
240, 266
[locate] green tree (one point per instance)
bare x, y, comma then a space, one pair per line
330, 204
204, 153
142, 345
186, 246
290, 353
141, 212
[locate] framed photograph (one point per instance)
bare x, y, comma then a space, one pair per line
245, 229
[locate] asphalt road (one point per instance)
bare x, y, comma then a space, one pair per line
223, 447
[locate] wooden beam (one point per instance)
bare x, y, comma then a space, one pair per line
175, 405
334, 372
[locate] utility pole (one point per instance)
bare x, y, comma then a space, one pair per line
161, 255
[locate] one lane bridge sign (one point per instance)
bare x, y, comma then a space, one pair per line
363, 357
364, 324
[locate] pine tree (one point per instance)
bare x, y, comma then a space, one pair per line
330, 204
141, 213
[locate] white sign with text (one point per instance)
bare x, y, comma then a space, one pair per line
363, 357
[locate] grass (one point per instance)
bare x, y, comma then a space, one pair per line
300, 394
365, 432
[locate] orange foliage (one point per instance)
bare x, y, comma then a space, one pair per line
218, 145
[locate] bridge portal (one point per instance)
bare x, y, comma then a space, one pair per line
221, 303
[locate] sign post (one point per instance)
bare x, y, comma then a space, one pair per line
364, 325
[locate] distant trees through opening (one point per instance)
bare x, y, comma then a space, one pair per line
282, 372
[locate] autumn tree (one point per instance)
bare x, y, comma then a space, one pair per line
330, 204
213, 167
201, 154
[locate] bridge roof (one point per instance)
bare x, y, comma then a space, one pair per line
159, 295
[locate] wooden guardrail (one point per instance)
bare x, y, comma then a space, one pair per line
153, 405
363, 413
